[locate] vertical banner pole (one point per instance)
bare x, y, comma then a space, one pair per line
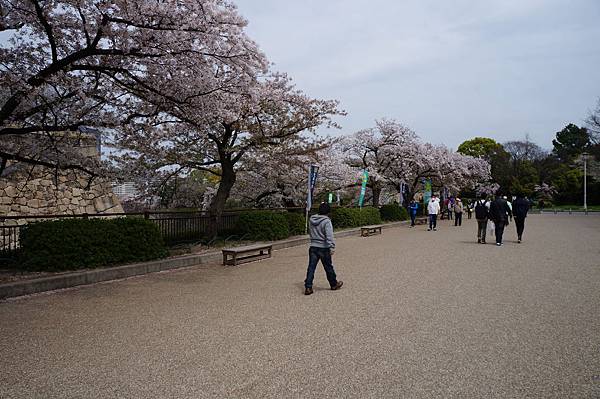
312, 181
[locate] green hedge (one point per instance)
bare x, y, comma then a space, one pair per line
263, 225
296, 223
89, 243
393, 212
269, 225
355, 217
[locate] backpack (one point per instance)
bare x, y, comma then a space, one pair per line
481, 211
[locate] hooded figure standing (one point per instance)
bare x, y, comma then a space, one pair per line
322, 247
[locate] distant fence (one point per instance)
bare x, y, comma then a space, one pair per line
568, 211
176, 227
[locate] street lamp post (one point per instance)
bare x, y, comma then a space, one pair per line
584, 155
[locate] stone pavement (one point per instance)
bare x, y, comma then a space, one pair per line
421, 315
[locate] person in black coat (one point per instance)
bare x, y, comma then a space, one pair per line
499, 213
520, 208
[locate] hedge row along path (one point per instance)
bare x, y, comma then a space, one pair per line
421, 314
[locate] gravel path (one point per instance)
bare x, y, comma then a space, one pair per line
421, 315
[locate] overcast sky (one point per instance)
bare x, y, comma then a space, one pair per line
450, 70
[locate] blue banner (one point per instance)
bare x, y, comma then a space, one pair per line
312, 182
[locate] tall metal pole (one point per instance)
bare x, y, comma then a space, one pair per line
584, 155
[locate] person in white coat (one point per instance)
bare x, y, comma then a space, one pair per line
433, 208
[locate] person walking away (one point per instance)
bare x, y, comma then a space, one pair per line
449, 208
482, 210
322, 247
445, 206
458, 211
413, 207
433, 208
520, 209
499, 213
469, 207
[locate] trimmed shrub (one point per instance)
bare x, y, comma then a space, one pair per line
89, 243
263, 225
296, 223
393, 212
355, 217
369, 215
343, 217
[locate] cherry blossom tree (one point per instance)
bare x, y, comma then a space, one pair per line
487, 188
266, 112
393, 154
74, 63
278, 175
379, 150
545, 191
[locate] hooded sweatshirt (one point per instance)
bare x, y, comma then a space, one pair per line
321, 232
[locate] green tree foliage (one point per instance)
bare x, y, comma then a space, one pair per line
494, 153
480, 147
568, 183
571, 142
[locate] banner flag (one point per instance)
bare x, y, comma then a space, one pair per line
401, 199
363, 188
312, 181
427, 192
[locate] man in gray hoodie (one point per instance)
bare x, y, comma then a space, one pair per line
322, 247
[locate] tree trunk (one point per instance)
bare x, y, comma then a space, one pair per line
376, 189
217, 205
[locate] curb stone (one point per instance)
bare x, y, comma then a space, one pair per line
75, 279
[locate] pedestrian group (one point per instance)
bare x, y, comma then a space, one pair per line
494, 214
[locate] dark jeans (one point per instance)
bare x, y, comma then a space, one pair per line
499, 230
413, 216
432, 221
458, 218
449, 214
324, 255
520, 223
481, 229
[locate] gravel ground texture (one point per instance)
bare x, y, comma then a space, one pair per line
421, 315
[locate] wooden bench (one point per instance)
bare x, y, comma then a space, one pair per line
368, 230
237, 255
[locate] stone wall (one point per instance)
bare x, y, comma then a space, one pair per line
49, 194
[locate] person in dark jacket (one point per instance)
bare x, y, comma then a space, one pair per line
482, 214
520, 209
499, 213
469, 208
322, 247
412, 209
